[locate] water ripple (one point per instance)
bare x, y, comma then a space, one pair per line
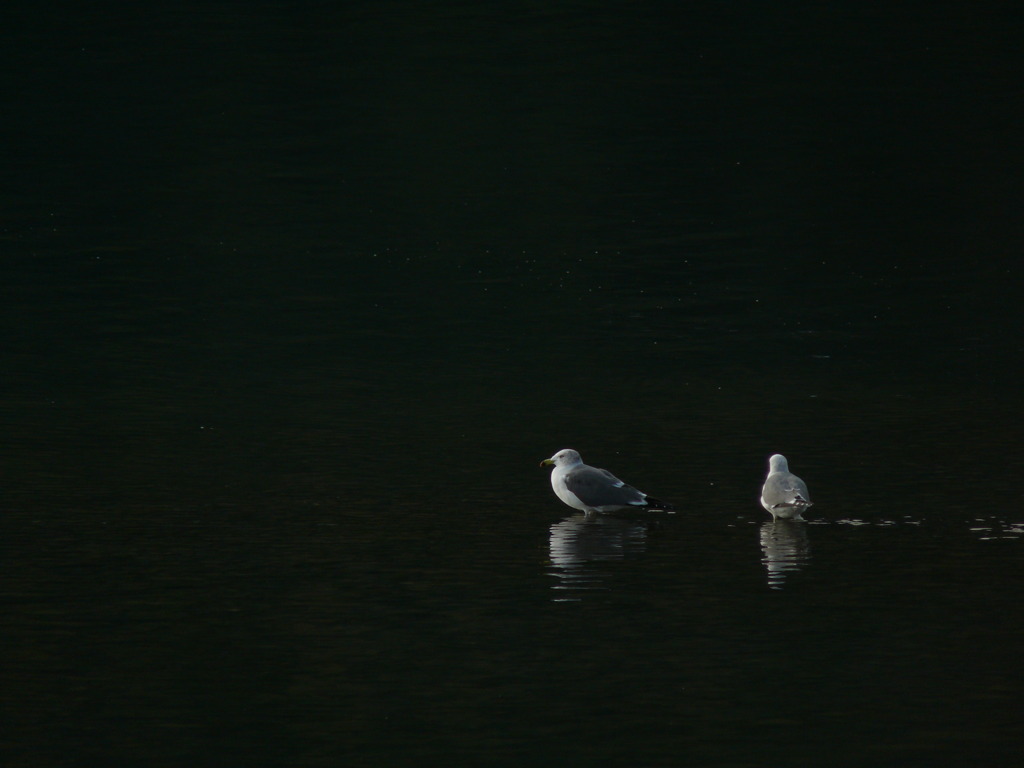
579, 541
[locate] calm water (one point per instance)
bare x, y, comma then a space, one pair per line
294, 303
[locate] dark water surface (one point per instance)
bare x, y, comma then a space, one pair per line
295, 300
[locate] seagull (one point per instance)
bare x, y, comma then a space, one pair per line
784, 494
592, 489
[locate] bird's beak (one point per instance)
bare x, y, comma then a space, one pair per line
547, 462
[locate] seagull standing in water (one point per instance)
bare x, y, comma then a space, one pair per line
594, 490
784, 494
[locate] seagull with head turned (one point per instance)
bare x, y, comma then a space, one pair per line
594, 490
784, 494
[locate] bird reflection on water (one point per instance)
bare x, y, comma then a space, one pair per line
580, 541
786, 548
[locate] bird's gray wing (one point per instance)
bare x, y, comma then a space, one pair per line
786, 490
600, 488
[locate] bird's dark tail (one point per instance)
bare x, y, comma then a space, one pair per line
658, 504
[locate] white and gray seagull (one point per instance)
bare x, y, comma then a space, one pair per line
784, 494
592, 489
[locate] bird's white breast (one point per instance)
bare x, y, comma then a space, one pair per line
562, 491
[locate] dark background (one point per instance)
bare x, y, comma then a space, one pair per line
295, 297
